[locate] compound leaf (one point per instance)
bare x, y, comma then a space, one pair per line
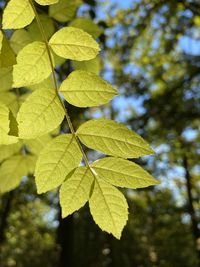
6, 78
17, 14
56, 161
33, 65
109, 208
93, 65
5, 139
6, 151
113, 139
36, 145
7, 56
13, 169
75, 192
64, 10
41, 113
19, 39
74, 43
123, 173
87, 25
86, 89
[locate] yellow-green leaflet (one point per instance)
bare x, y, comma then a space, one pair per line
13, 169
33, 65
113, 138
64, 10
87, 25
17, 14
46, 84
56, 161
46, 2
93, 65
6, 151
86, 89
75, 192
36, 145
74, 43
41, 113
109, 208
7, 56
123, 173
12, 101
48, 25
6, 78
19, 39
5, 139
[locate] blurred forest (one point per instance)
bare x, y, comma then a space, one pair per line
151, 53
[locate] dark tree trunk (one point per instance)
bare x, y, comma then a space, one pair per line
191, 209
65, 241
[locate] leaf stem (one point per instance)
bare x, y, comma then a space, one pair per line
71, 127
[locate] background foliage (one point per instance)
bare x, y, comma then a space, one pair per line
151, 52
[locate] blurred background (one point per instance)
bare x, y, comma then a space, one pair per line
151, 53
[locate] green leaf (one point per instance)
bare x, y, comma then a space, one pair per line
86, 89
109, 208
7, 56
5, 139
17, 14
64, 10
93, 65
12, 101
113, 138
13, 169
73, 43
46, 2
123, 173
19, 39
87, 25
6, 78
33, 65
75, 192
46, 84
34, 31
6, 151
41, 113
56, 161
36, 145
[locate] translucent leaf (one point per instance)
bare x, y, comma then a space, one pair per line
56, 161
5, 139
113, 138
13, 169
33, 65
46, 84
12, 101
87, 25
123, 173
7, 56
64, 10
41, 113
93, 65
74, 43
6, 151
46, 2
75, 192
109, 208
19, 39
36, 145
34, 31
17, 14
6, 78
86, 89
